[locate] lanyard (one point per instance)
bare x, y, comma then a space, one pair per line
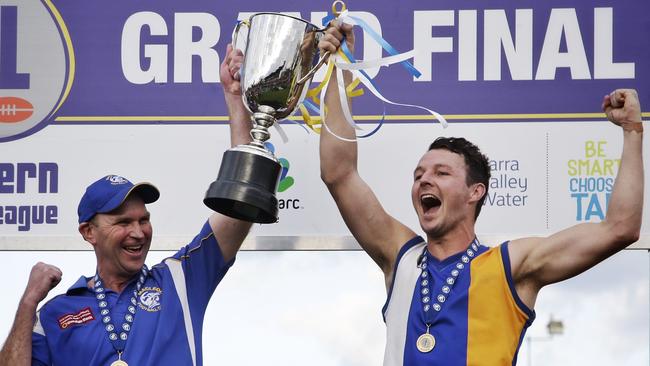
432, 306
118, 337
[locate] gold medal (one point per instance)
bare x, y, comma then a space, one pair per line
426, 342
119, 361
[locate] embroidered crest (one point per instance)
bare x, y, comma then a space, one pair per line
83, 316
116, 179
149, 298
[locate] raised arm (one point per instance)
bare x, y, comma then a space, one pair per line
230, 233
17, 350
379, 234
540, 261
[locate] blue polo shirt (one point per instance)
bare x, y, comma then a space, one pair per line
168, 322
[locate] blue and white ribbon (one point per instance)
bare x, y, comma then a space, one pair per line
344, 60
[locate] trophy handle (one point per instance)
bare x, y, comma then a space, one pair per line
235, 31
336, 11
313, 71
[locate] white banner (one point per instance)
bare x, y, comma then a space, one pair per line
545, 176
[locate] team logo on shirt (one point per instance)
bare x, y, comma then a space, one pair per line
81, 317
149, 298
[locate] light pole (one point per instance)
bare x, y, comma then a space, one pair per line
554, 327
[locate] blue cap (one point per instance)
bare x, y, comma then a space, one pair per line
109, 192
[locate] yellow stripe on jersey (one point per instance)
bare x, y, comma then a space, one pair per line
495, 321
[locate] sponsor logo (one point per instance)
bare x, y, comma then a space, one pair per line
591, 180
31, 90
508, 185
83, 316
286, 182
149, 298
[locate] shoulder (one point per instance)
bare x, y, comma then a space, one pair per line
518, 252
408, 256
410, 249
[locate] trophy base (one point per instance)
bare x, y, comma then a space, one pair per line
245, 187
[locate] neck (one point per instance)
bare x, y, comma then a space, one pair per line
115, 283
452, 242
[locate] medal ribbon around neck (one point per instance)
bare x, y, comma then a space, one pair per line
118, 337
432, 306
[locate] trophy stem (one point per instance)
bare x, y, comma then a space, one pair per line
263, 120
248, 177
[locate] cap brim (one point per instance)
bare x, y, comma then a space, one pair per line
145, 190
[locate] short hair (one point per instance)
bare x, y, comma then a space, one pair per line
478, 166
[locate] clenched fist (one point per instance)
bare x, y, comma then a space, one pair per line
622, 107
42, 279
333, 37
230, 69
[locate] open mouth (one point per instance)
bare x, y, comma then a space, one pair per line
134, 249
429, 202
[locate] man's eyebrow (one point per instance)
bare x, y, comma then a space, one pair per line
121, 216
437, 165
442, 165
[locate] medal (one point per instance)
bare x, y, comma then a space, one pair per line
119, 361
426, 342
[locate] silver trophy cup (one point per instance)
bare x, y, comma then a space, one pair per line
280, 57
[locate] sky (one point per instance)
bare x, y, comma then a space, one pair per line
289, 308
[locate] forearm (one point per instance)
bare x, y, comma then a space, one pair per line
230, 234
337, 158
625, 206
240, 120
17, 350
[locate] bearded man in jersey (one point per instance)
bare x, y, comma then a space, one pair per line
452, 300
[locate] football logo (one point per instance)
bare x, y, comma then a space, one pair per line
36, 66
150, 298
13, 110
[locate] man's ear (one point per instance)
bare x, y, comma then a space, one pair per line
478, 191
87, 230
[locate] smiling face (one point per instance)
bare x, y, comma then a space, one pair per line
441, 196
121, 239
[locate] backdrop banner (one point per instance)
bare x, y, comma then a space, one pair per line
132, 88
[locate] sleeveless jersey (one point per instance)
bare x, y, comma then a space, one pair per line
482, 322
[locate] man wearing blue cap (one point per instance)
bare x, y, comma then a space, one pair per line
128, 314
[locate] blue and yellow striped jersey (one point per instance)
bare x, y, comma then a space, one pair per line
482, 322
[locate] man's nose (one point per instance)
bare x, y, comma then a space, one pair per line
427, 178
136, 231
